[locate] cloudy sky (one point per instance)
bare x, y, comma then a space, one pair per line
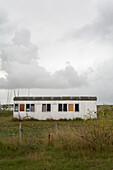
56, 47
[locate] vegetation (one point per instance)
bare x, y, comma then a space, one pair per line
76, 144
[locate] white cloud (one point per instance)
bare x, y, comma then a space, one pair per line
20, 62
19, 58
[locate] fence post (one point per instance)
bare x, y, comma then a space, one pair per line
56, 128
49, 136
20, 130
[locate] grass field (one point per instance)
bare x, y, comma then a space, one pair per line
73, 144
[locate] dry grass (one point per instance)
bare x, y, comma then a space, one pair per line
44, 142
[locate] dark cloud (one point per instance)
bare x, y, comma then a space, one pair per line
69, 78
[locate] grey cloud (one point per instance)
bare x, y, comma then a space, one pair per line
3, 17
7, 29
101, 83
34, 76
101, 28
22, 37
21, 54
69, 78
20, 62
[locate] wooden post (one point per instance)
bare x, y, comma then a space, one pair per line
20, 130
49, 136
56, 128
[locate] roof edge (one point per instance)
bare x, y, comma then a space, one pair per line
25, 98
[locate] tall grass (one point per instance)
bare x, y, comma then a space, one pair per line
95, 135
42, 140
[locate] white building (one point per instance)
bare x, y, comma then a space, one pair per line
43, 108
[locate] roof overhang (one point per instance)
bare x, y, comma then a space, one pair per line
85, 98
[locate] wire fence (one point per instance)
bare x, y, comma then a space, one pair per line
34, 130
31, 126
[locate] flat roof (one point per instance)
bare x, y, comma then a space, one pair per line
55, 98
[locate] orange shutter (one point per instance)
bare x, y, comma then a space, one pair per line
44, 108
22, 107
70, 107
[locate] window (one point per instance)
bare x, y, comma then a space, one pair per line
60, 107
70, 107
32, 107
16, 107
65, 107
28, 108
22, 107
76, 107
46, 107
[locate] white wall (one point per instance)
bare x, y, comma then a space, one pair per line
87, 109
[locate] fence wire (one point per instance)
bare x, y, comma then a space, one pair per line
34, 130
